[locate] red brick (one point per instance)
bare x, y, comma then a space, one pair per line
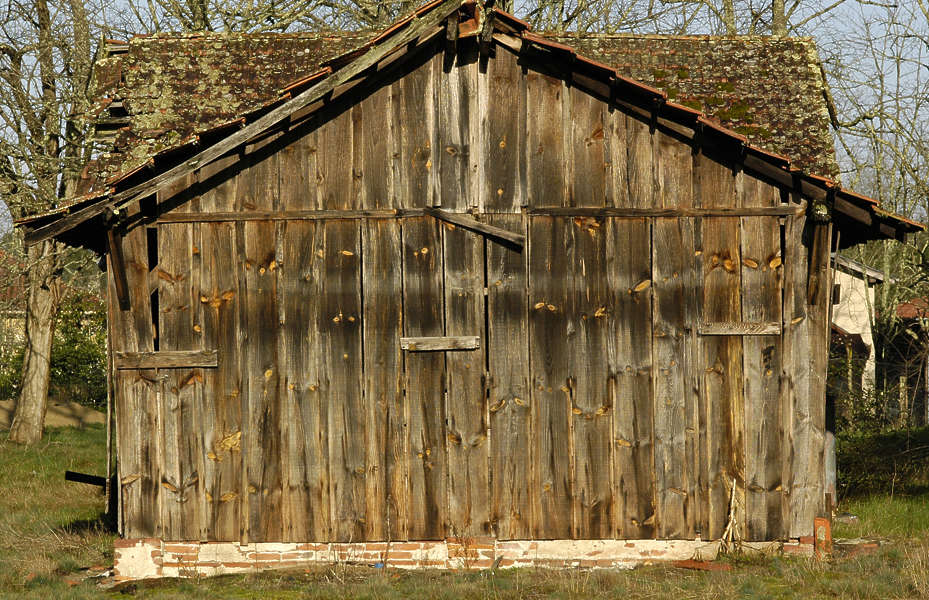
238, 565
313, 547
376, 546
265, 556
181, 548
394, 555
405, 546
126, 543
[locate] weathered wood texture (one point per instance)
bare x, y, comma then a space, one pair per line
613, 335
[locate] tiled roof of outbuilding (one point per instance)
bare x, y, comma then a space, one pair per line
771, 90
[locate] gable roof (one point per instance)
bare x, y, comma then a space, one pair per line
161, 143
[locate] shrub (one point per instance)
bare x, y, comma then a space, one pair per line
78, 361
883, 462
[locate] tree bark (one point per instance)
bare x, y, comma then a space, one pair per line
41, 314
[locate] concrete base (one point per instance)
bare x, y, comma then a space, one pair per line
145, 558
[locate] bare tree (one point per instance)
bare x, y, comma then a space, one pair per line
45, 59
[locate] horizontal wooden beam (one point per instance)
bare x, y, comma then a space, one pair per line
760, 211
166, 359
470, 223
288, 215
432, 344
739, 328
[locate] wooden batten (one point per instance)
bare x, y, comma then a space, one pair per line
435, 343
740, 328
473, 224
166, 359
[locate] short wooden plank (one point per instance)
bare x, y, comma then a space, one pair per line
504, 135
166, 359
640, 167
470, 223
334, 161
467, 418
629, 355
414, 174
761, 300
378, 145
387, 482
742, 328
588, 185
588, 312
616, 156
297, 181
221, 293
341, 328
723, 410
435, 343
509, 403
423, 306
550, 258
453, 88
545, 162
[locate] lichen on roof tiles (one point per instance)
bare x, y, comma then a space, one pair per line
768, 89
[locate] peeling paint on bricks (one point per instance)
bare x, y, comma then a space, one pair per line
146, 558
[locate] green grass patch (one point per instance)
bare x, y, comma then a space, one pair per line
51, 528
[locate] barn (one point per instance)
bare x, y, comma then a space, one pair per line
457, 294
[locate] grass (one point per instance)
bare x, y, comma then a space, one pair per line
52, 531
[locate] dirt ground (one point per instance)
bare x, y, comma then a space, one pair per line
68, 414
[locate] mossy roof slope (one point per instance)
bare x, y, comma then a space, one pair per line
770, 90
172, 85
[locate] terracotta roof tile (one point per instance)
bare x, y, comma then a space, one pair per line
769, 90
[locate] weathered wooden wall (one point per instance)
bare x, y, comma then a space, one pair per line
598, 403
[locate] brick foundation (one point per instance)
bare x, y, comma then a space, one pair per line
143, 558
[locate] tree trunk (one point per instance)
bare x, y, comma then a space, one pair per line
41, 314
778, 19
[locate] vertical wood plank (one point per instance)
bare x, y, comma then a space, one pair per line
334, 162
297, 173
468, 458
387, 483
588, 185
589, 312
139, 466
453, 123
546, 183
761, 301
378, 146
674, 315
261, 435
220, 297
511, 412
722, 355
425, 375
629, 352
176, 329
413, 114
616, 154
550, 254
640, 170
342, 332
503, 138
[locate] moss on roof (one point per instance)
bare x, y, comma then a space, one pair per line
171, 85
769, 89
